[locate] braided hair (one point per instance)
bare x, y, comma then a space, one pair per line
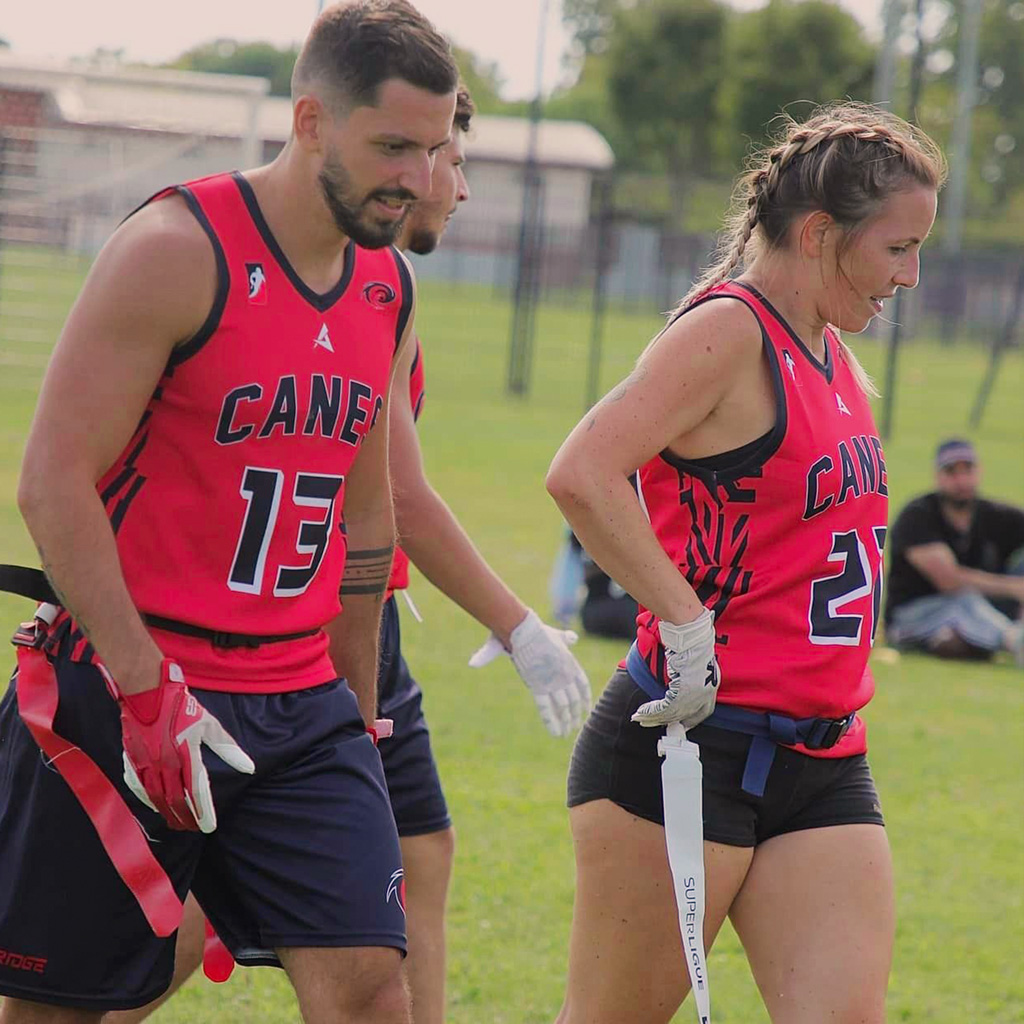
845, 159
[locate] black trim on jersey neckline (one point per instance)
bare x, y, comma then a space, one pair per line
320, 301
826, 369
405, 277
220, 299
752, 455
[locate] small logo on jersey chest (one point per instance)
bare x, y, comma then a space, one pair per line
323, 339
841, 405
257, 283
379, 295
790, 365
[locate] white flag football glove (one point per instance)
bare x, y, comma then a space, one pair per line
163, 731
556, 679
692, 672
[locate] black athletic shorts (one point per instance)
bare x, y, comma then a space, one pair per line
616, 759
410, 771
305, 852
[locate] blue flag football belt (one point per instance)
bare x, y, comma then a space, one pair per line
769, 729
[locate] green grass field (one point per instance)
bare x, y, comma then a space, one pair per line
947, 741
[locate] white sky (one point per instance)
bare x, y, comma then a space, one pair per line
504, 31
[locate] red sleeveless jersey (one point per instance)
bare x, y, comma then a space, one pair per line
783, 539
227, 502
400, 566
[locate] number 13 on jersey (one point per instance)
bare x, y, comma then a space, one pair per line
262, 490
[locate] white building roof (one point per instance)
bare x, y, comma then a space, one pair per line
559, 143
199, 103
155, 98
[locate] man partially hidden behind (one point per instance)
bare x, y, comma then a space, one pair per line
230, 357
956, 583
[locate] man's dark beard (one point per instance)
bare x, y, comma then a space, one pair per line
423, 241
335, 187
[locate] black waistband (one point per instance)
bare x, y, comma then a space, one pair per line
33, 584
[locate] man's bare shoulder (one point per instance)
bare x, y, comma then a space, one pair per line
164, 230
161, 258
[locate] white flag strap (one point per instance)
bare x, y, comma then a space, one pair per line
682, 784
412, 605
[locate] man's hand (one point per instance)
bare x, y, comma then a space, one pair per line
163, 730
692, 671
556, 679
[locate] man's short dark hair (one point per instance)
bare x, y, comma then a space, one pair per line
354, 47
465, 108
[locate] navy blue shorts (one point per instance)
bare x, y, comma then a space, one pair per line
414, 786
305, 853
616, 759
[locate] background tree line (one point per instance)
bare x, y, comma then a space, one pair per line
682, 88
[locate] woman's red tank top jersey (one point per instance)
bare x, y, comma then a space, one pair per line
400, 566
227, 503
783, 539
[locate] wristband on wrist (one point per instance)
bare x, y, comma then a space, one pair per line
381, 729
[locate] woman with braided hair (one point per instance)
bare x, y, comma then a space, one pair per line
755, 555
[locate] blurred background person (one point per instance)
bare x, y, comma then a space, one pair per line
956, 578
607, 609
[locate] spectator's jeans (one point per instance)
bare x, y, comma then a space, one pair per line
974, 619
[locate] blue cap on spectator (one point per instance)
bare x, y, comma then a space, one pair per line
954, 450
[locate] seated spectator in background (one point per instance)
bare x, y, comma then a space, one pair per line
607, 609
956, 578
604, 607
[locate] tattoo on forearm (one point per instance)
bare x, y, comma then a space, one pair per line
367, 571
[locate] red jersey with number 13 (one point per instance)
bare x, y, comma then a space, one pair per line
227, 502
783, 538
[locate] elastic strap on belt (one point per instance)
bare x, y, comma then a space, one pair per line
119, 832
33, 584
768, 730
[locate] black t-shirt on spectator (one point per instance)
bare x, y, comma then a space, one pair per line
995, 533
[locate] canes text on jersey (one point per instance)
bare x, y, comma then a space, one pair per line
858, 468
328, 407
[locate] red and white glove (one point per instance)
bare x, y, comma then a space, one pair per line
163, 731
